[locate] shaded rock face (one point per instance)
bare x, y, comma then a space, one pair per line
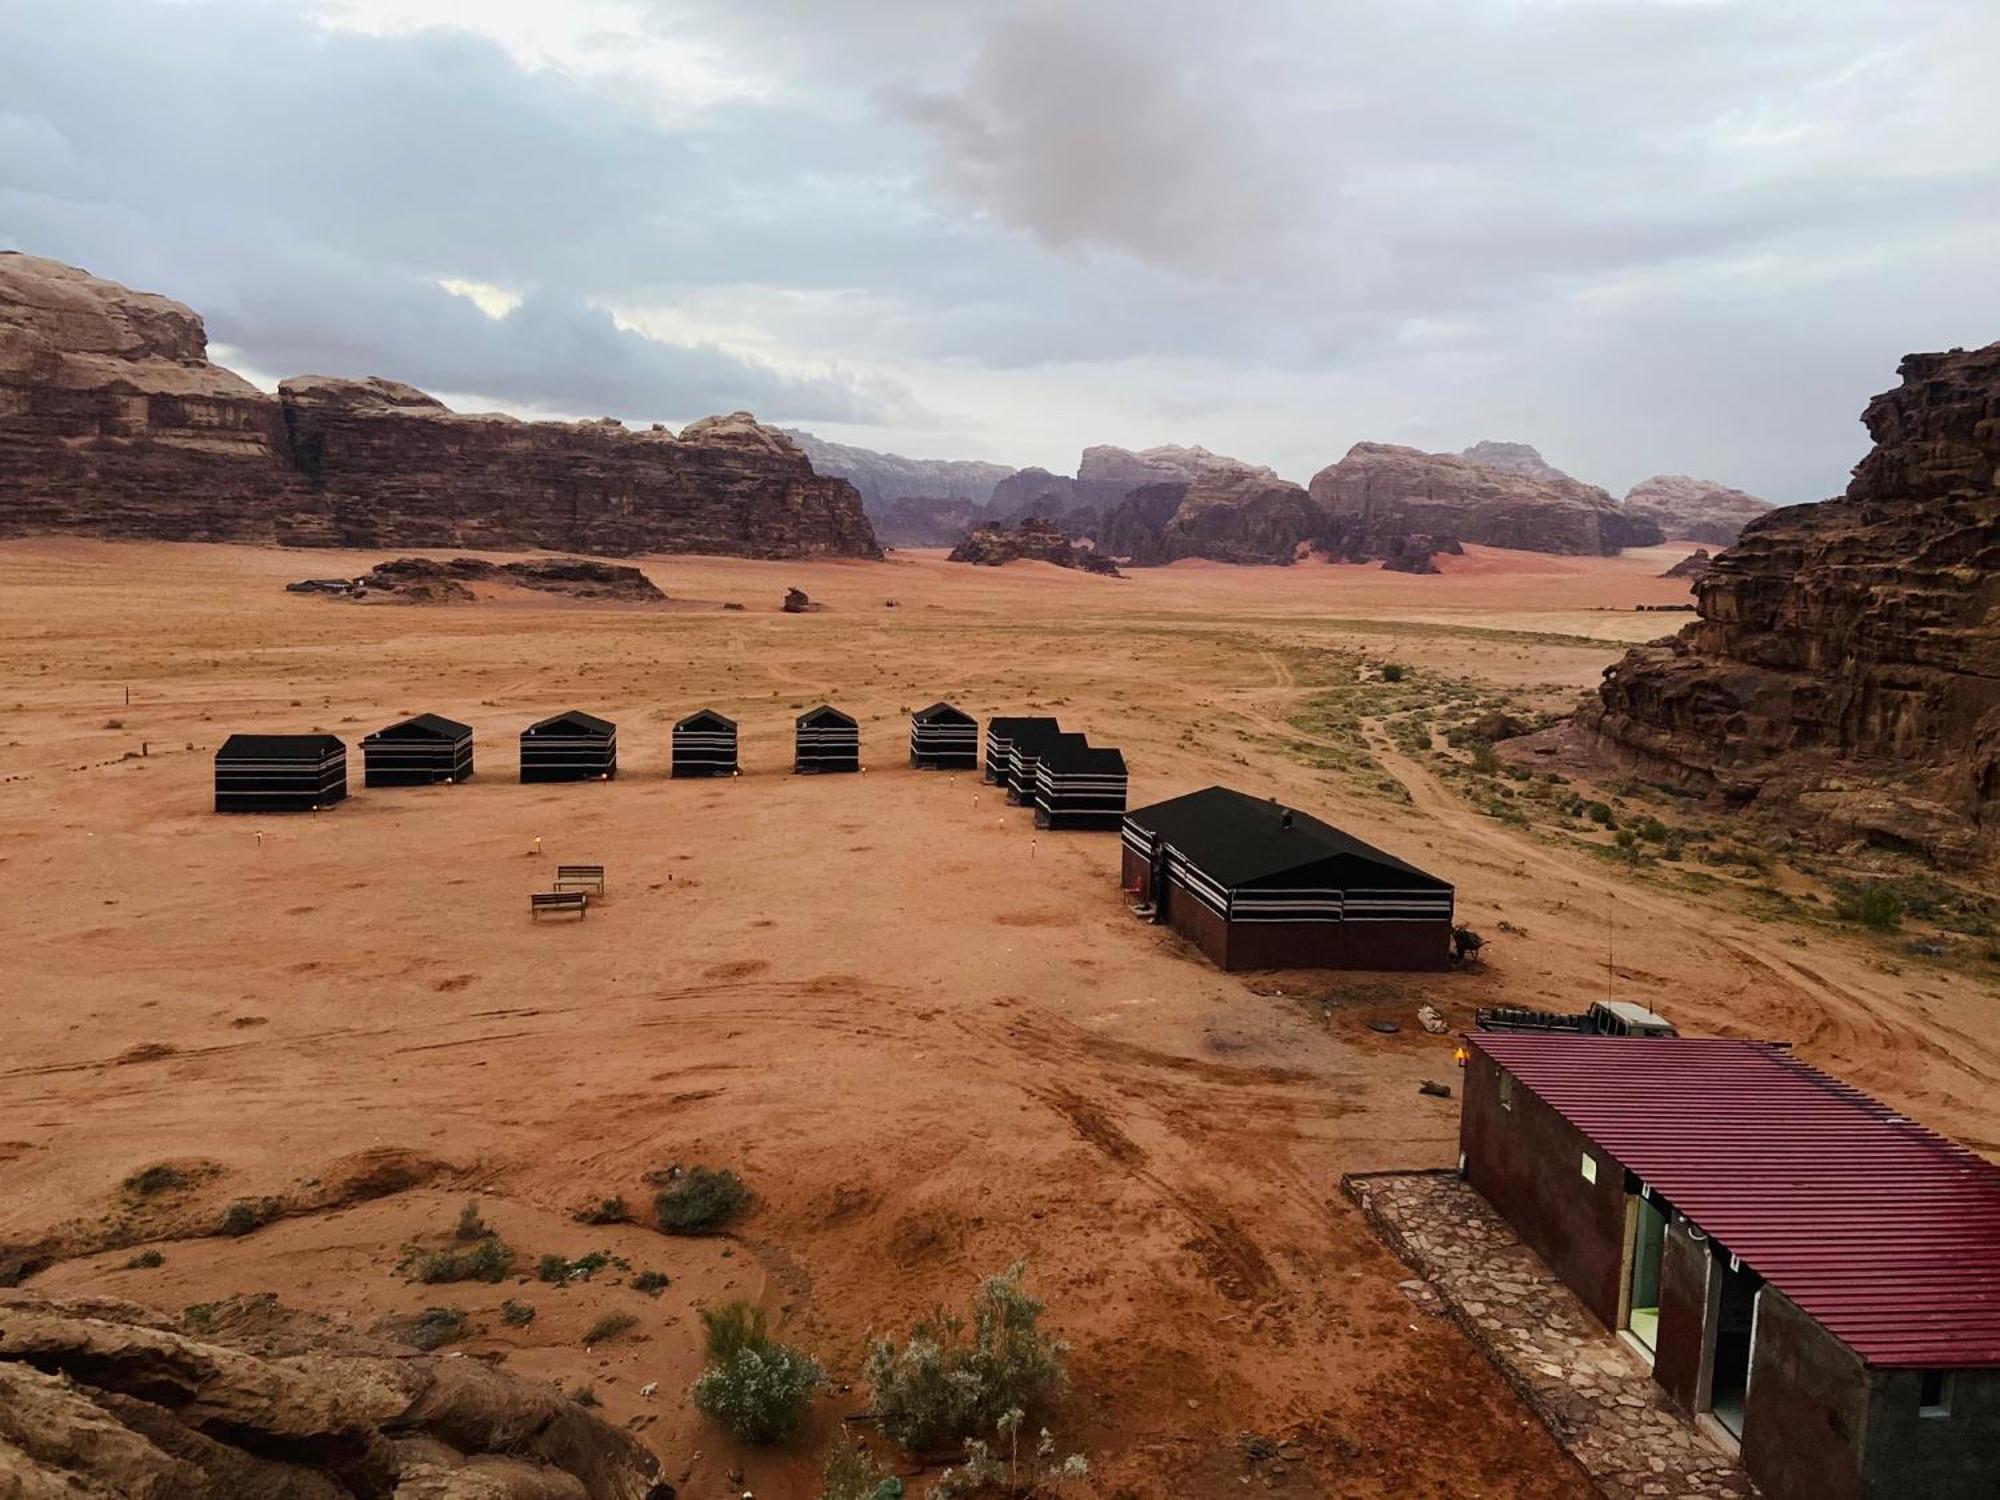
923, 521
1693, 510
102, 1398
887, 479
1695, 565
1239, 515
1036, 539
114, 423
1845, 669
1515, 458
424, 580
1379, 493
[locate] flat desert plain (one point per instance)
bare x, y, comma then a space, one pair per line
932, 1041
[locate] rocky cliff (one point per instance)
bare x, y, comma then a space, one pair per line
113, 422
881, 479
1515, 458
102, 1398
1693, 510
1239, 515
1845, 668
1035, 539
1380, 494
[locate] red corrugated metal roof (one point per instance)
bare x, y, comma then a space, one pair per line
1885, 1232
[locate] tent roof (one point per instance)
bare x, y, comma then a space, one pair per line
944, 713
574, 718
280, 746
826, 713
1073, 752
423, 724
705, 716
1007, 728
1237, 838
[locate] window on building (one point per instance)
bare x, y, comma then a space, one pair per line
1934, 1393
1506, 1090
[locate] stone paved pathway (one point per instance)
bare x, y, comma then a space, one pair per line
1594, 1393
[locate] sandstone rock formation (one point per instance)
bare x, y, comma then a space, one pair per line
107, 1400
1515, 458
1845, 669
1695, 565
1380, 493
424, 580
1693, 510
114, 423
1240, 515
1036, 539
881, 479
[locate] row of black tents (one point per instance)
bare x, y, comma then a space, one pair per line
1069, 783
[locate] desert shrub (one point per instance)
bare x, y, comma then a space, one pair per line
489, 1260
1872, 905
199, 1317
702, 1199
470, 1226
146, 1260
155, 1179
1041, 1472
604, 1211
247, 1214
652, 1283
853, 1473
1484, 761
1652, 830
1392, 673
432, 1328
558, 1271
942, 1386
585, 1395
1601, 814
757, 1388
516, 1314
609, 1327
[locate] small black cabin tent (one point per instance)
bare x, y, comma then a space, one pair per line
417, 752
828, 740
704, 745
944, 738
1024, 757
1256, 885
1000, 742
573, 746
280, 773
1078, 785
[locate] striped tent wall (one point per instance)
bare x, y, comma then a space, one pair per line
280, 773
999, 753
1290, 903
704, 745
424, 751
827, 741
569, 748
942, 738
1080, 789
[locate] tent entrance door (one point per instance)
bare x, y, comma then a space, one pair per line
1649, 1242
1735, 1323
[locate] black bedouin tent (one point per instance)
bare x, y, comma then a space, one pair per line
1078, 785
828, 740
1024, 755
944, 738
1000, 743
280, 773
1256, 885
573, 746
704, 745
417, 752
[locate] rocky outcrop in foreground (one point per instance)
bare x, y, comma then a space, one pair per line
108, 1400
114, 423
1034, 540
1693, 510
1380, 494
1845, 669
425, 580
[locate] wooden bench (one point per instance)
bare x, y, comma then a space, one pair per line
541, 901
579, 876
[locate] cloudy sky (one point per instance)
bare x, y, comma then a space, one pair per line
1646, 235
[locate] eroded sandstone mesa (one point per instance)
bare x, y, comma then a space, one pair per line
1380, 493
1036, 539
1693, 510
114, 423
102, 1398
1845, 669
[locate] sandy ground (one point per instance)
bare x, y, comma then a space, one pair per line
932, 1041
